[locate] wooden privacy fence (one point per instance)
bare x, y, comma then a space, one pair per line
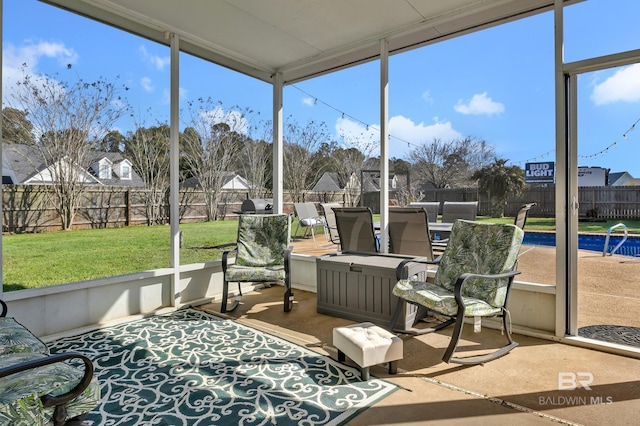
31, 208
617, 202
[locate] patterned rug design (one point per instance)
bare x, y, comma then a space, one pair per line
620, 334
191, 368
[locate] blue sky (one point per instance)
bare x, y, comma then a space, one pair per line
496, 85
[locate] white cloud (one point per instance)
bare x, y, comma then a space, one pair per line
21, 61
623, 86
427, 97
404, 128
308, 101
405, 134
145, 82
158, 62
234, 119
479, 104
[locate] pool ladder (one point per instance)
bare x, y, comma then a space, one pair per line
606, 240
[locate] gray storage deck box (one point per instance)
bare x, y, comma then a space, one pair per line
358, 287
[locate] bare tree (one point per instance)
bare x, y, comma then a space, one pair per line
351, 159
148, 151
69, 119
214, 140
450, 164
255, 159
301, 172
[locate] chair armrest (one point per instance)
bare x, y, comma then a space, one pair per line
4, 308
287, 259
59, 400
402, 270
462, 279
225, 256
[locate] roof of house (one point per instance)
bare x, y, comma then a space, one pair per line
328, 182
22, 162
194, 182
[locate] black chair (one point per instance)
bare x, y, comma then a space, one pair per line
355, 227
409, 231
521, 216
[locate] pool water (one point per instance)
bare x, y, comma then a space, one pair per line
592, 242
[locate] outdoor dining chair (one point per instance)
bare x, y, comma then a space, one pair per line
409, 231
453, 210
432, 208
521, 217
473, 279
331, 230
262, 255
355, 228
308, 218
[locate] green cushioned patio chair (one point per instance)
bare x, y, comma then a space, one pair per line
262, 255
39, 388
473, 279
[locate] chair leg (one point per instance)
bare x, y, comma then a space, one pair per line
396, 315
225, 297
455, 337
480, 359
288, 300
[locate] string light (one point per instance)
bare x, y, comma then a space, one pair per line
614, 144
343, 114
602, 152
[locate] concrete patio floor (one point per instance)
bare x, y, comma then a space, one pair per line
519, 388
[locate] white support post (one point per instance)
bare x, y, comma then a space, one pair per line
562, 194
174, 154
1, 156
278, 146
384, 146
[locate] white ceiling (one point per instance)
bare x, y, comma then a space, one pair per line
300, 38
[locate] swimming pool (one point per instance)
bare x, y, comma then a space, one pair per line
592, 242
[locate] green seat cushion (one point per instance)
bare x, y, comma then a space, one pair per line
16, 338
441, 300
20, 393
253, 273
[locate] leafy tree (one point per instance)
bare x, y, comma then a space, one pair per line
71, 119
500, 180
113, 141
16, 127
450, 164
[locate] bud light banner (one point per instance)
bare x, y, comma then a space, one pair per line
539, 172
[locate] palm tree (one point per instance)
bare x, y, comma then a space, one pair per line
499, 180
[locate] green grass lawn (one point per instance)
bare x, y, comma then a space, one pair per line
49, 258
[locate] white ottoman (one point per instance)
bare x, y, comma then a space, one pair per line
366, 344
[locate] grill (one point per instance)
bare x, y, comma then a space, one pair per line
257, 206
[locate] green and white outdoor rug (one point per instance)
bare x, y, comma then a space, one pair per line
192, 368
